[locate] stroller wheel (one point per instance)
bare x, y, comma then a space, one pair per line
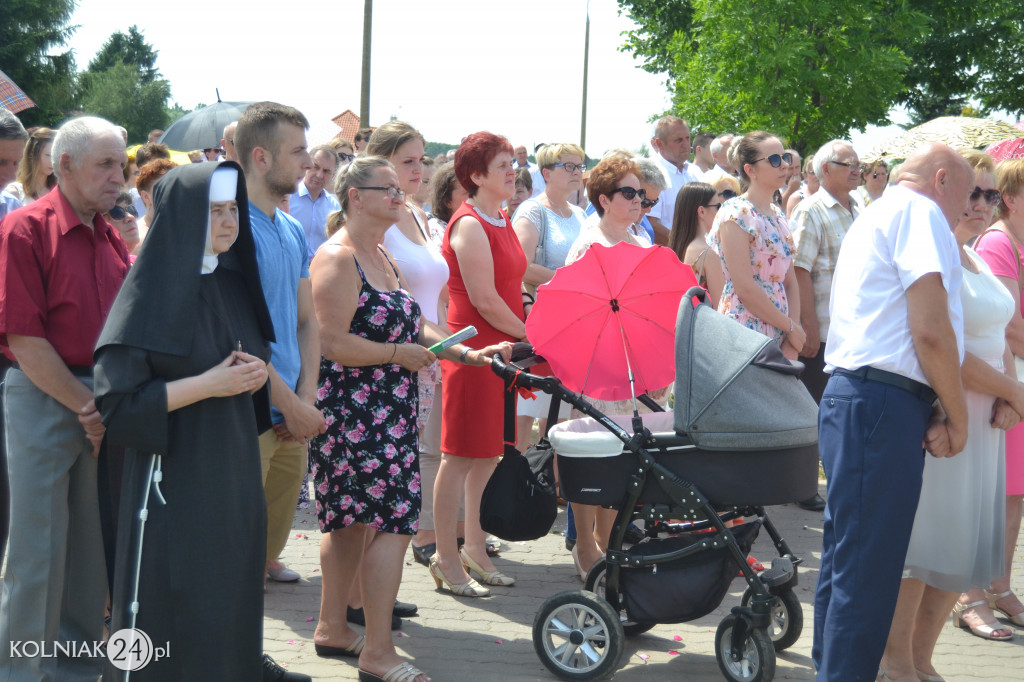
752, 661
787, 618
577, 635
595, 583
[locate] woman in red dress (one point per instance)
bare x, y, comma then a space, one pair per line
487, 265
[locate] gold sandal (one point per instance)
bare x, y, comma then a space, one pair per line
470, 588
491, 578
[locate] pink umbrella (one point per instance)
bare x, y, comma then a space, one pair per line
608, 320
1007, 149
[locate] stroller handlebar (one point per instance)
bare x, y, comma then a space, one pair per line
515, 370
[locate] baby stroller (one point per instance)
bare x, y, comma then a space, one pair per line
726, 452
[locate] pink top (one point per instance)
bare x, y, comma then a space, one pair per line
996, 249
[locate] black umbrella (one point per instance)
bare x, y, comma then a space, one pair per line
202, 129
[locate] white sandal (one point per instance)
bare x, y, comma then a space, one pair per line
985, 630
1015, 618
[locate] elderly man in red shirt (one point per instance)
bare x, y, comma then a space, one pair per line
61, 266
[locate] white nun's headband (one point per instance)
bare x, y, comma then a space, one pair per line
223, 187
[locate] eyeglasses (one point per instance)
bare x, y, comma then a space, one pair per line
775, 160
714, 206
120, 212
848, 164
572, 167
992, 196
629, 193
393, 192
728, 194
342, 156
649, 203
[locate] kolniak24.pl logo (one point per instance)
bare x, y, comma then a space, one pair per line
126, 649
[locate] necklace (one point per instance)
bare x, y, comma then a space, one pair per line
496, 222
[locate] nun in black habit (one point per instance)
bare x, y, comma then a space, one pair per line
181, 382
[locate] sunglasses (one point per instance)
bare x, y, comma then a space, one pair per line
649, 203
393, 192
714, 206
342, 156
572, 167
728, 194
120, 212
776, 160
848, 164
992, 196
629, 193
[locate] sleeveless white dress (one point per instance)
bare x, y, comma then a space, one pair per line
957, 541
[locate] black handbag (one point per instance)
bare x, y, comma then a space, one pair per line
519, 502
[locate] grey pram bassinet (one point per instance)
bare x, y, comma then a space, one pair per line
745, 426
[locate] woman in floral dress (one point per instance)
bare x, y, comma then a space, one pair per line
751, 236
366, 468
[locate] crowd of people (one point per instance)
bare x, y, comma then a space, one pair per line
255, 327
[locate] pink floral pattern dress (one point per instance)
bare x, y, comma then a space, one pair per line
366, 466
771, 256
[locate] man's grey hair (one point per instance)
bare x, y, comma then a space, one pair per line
719, 144
652, 174
828, 152
75, 137
230, 126
10, 126
662, 125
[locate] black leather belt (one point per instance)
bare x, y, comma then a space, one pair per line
78, 371
922, 391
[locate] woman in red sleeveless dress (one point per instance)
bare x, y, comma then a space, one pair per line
487, 266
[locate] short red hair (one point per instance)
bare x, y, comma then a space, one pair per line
475, 154
605, 177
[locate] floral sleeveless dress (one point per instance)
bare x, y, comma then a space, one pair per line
366, 467
771, 255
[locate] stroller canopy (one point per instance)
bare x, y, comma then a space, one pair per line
734, 388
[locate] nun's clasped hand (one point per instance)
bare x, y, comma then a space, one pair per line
237, 373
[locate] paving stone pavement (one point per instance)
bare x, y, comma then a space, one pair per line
458, 639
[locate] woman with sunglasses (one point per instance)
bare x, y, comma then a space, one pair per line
123, 216
614, 189
346, 152
546, 227
697, 205
35, 172
1001, 248
958, 533
873, 179
752, 238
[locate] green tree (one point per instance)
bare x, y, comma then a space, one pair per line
970, 52
123, 85
31, 35
967, 50
807, 71
131, 49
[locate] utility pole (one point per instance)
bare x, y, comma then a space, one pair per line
586, 66
364, 91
